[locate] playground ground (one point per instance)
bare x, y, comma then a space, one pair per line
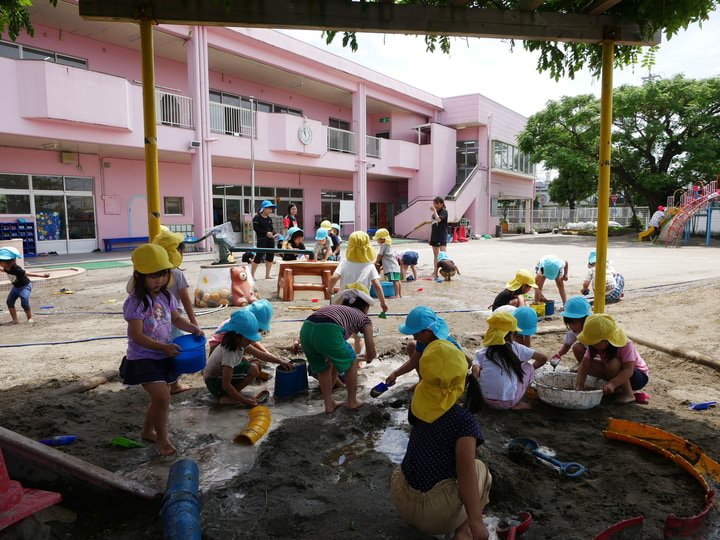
323, 476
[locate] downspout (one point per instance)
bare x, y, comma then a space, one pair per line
360, 188
606, 103
488, 185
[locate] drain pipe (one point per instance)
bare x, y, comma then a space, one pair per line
181, 505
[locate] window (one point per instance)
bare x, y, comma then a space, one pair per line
330, 205
507, 156
339, 124
173, 206
23, 52
231, 203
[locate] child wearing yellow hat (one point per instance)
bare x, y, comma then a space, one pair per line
387, 260
515, 291
150, 311
358, 266
440, 487
505, 368
613, 357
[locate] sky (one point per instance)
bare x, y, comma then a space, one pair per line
487, 67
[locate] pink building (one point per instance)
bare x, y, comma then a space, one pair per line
340, 141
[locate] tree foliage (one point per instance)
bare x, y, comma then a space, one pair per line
15, 18
562, 59
664, 138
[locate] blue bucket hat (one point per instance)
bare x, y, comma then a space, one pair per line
442, 256
551, 268
527, 320
293, 230
321, 234
244, 323
268, 204
577, 308
263, 311
592, 257
423, 318
9, 253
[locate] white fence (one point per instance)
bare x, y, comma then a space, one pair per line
558, 217
173, 110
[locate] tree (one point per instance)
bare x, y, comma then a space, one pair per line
664, 138
565, 135
15, 17
565, 59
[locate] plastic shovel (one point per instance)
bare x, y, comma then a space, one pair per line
568, 470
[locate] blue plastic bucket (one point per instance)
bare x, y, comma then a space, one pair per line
192, 357
550, 307
387, 287
289, 383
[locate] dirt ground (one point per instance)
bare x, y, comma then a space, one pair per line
324, 476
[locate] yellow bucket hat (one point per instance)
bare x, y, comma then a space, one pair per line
601, 327
443, 369
359, 248
383, 233
150, 258
523, 277
170, 241
500, 323
326, 224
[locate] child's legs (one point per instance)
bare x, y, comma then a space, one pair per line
578, 350
351, 378
398, 289
436, 250
413, 269
156, 415
326, 378
251, 371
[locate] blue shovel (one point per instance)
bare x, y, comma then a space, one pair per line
568, 470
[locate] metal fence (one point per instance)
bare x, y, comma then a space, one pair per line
173, 110
340, 140
230, 120
559, 217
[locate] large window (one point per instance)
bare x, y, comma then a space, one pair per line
23, 52
466, 155
63, 206
330, 205
231, 203
507, 156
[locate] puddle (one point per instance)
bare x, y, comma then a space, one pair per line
220, 459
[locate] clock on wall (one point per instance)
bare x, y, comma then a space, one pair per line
305, 134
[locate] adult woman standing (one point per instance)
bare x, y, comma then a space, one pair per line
291, 219
438, 230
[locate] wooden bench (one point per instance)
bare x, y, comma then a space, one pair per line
135, 240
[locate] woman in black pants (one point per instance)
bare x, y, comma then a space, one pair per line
438, 230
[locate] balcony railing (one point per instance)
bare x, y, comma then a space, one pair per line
372, 147
230, 120
340, 140
173, 110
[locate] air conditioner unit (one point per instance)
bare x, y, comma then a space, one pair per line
194, 144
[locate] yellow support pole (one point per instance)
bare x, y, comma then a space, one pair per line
606, 102
152, 175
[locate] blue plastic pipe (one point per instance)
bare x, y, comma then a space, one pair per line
181, 505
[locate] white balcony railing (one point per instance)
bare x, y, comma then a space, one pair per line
340, 140
173, 110
230, 120
372, 147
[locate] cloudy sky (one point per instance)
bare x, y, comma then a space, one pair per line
486, 66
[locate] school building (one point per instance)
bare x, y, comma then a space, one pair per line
239, 112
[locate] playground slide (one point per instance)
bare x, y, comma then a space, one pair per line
645, 235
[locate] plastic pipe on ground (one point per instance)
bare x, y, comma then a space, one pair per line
181, 505
257, 427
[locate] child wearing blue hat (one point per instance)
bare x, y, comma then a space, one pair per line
614, 282
527, 321
336, 241
21, 285
321, 250
576, 311
294, 240
425, 326
446, 267
227, 372
553, 268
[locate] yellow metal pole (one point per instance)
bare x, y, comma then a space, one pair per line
152, 175
606, 102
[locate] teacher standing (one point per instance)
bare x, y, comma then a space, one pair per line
266, 235
438, 230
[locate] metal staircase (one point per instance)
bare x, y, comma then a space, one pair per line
690, 204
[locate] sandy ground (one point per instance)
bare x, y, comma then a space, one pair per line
326, 476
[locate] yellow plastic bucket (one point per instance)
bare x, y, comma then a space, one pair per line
539, 308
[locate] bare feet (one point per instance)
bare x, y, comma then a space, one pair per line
355, 406
31, 320
521, 406
166, 448
16, 322
177, 387
624, 399
336, 404
149, 435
